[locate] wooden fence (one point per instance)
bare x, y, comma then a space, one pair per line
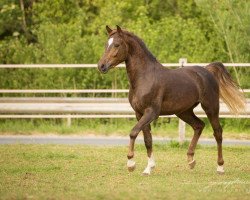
68, 108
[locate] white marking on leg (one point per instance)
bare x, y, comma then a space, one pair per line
110, 41
150, 166
130, 163
191, 162
220, 169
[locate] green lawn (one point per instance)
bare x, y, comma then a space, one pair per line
82, 172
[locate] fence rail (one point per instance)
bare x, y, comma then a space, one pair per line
35, 91
117, 108
67, 108
38, 91
180, 64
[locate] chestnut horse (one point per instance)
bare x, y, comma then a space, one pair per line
156, 90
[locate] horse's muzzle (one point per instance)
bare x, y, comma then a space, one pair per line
103, 68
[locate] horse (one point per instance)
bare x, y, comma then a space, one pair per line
155, 91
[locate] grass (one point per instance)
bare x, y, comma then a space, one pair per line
83, 172
233, 128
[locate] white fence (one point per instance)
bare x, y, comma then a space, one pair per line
86, 107
182, 63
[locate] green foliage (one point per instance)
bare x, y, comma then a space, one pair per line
231, 22
10, 18
59, 31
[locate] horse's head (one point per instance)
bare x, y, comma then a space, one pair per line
116, 50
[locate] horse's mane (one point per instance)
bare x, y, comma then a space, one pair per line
139, 41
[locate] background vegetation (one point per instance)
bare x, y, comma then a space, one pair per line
73, 31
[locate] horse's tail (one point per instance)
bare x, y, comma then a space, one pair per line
229, 89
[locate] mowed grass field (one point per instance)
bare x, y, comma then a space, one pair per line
85, 172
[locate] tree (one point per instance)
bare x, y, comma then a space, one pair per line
231, 21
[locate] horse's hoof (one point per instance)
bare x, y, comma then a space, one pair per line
220, 169
147, 171
220, 173
192, 164
131, 165
131, 169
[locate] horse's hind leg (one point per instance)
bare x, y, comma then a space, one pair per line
148, 143
198, 125
212, 112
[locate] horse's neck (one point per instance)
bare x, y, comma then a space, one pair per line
140, 65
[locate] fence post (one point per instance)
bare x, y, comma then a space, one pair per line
68, 121
182, 62
182, 124
182, 127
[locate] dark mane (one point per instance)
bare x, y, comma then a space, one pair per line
140, 42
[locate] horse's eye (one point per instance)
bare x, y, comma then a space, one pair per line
116, 45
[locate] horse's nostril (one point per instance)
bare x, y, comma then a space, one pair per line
103, 68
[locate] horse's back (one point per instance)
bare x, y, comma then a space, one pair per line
187, 86
201, 77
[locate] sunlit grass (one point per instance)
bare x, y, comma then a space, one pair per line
81, 172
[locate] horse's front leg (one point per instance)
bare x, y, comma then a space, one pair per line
148, 143
148, 116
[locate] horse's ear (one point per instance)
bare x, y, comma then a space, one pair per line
109, 30
119, 30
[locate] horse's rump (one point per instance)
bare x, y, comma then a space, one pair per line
229, 89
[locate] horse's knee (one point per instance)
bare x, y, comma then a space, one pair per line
133, 134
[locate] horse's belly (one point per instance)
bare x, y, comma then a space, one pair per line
177, 106
170, 111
